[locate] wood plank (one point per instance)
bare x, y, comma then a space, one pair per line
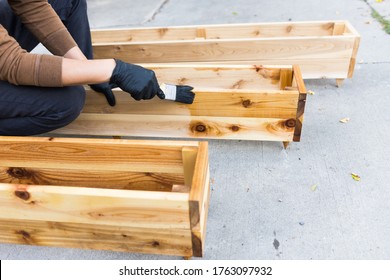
95, 155
98, 237
352, 64
139, 209
147, 181
285, 78
298, 82
338, 28
198, 186
217, 31
312, 68
265, 129
213, 50
212, 102
189, 161
199, 231
219, 76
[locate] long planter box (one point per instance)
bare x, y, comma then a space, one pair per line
121, 195
232, 102
323, 49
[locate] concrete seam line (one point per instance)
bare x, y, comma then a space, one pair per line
155, 12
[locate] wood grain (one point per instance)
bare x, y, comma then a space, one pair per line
95, 155
147, 181
198, 198
212, 102
218, 31
264, 129
298, 82
246, 76
315, 68
214, 50
98, 237
199, 231
140, 209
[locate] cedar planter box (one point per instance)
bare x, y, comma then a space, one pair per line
323, 49
232, 102
121, 195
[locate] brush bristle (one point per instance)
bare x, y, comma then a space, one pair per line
184, 94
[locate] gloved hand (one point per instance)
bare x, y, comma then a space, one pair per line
106, 89
141, 83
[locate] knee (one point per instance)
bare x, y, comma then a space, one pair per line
70, 106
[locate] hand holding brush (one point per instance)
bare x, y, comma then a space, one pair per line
142, 83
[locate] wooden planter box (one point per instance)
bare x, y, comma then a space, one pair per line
323, 49
232, 102
121, 195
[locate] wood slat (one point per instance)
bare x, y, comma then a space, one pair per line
147, 181
139, 209
298, 82
199, 231
250, 76
90, 155
189, 161
197, 197
182, 126
215, 103
221, 31
98, 237
214, 50
198, 186
312, 68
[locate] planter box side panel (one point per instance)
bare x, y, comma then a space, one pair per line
217, 31
97, 237
119, 220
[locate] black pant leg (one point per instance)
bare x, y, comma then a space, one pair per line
29, 110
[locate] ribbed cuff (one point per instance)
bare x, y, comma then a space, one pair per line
60, 42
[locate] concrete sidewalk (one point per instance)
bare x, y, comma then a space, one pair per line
262, 193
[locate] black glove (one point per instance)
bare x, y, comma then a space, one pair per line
141, 83
106, 89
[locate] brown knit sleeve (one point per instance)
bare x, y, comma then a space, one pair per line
39, 17
22, 68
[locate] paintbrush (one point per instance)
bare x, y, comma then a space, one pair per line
177, 93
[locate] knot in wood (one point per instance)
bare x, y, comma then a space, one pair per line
24, 234
18, 173
246, 103
155, 243
235, 128
200, 128
290, 123
24, 195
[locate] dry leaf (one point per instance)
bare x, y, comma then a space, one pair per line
355, 177
314, 188
311, 92
345, 120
